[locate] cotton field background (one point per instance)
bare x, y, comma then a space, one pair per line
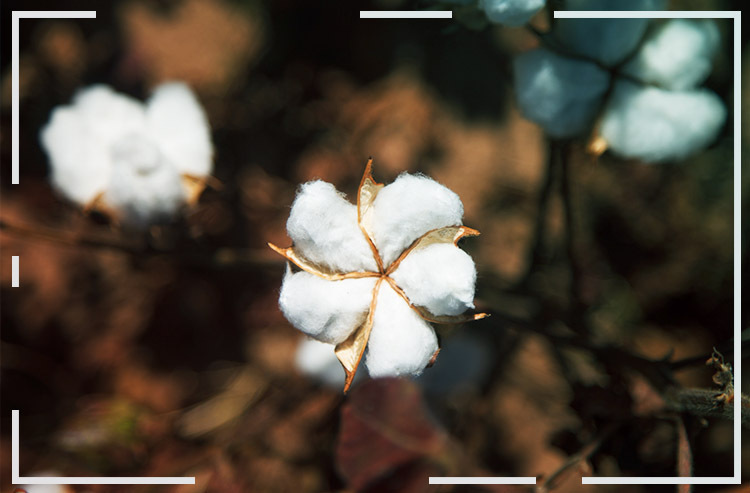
163, 144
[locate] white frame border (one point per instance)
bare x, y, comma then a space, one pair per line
736, 16
32, 480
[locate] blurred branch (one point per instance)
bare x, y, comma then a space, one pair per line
537, 247
220, 258
706, 404
684, 456
576, 460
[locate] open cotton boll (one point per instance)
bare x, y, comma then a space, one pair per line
79, 172
408, 208
608, 41
511, 12
326, 310
655, 125
560, 94
401, 342
177, 121
440, 277
145, 186
677, 55
323, 226
107, 114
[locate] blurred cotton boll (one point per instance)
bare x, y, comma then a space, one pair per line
511, 12
560, 94
607, 41
318, 361
677, 55
131, 160
656, 125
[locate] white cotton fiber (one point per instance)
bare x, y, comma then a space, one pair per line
323, 226
110, 145
658, 125
608, 41
80, 171
511, 12
440, 277
318, 360
145, 186
401, 343
560, 94
677, 55
325, 310
408, 208
108, 115
177, 121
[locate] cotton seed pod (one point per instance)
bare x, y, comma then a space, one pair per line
560, 94
608, 41
657, 125
677, 55
137, 162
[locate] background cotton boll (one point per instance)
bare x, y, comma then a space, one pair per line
318, 360
145, 187
408, 208
658, 125
107, 114
511, 12
177, 121
325, 310
608, 41
323, 226
78, 171
560, 94
440, 277
401, 343
677, 55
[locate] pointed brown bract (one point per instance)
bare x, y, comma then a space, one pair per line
438, 319
291, 255
195, 185
449, 234
351, 350
368, 190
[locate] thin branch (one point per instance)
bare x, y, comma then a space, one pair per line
705, 403
536, 252
684, 456
576, 460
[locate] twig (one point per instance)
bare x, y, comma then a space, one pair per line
684, 456
535, 253
704, 403
583, 455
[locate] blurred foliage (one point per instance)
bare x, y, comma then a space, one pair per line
166, 355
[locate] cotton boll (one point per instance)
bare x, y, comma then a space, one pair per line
177, 121
677, 55
408, 208
658, 125
511, 12
560, 94
145, 187
80, 166
440, 277
401, 343
608, 41
107, 114
325, 310
323, 226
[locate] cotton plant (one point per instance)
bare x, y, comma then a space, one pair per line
369, 279
138, 163
635, 85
